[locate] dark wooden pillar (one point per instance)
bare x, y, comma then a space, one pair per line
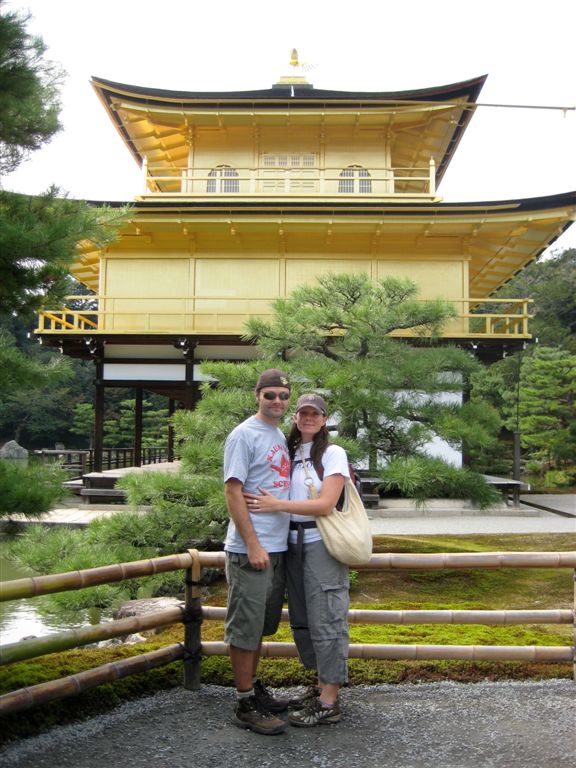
465, 399
171, 408
138, 428
98, 427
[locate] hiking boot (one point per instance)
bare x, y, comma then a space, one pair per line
249, 714
315, 714
266, 699
300, 702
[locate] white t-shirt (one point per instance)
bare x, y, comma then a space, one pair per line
335, 462
255, 453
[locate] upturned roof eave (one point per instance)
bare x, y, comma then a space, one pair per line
542, 203
468, 89
297, 96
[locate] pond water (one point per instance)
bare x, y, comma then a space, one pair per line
34, 616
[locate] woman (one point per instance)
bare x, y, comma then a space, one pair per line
318, 585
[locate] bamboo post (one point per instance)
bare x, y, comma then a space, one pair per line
192, 623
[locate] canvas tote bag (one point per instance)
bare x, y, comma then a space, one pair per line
345, 532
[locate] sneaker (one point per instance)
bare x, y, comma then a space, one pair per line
265, 698
248, 713
300, 702
315, 714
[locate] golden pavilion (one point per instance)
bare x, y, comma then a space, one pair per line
248, 194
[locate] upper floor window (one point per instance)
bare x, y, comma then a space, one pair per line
354, 179
289, 172
289, 161
224, 179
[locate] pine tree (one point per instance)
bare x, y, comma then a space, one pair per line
390, 395
29, 92
547, 406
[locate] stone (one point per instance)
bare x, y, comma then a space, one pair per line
146, 605
11, 450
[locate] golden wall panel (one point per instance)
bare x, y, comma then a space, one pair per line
306, 272
244, 278
146, 295
438, 279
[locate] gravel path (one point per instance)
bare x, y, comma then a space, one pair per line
454, 725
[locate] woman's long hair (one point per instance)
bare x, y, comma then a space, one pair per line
319, 444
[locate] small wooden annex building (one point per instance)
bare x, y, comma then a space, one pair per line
246, 195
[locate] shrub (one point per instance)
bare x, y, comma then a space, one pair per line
29, 490
423, 477
183, 509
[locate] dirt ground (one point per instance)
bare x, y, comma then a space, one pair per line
453, 725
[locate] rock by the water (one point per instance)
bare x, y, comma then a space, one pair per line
147, 605
11, 450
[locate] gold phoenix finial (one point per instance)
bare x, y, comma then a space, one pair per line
296, 78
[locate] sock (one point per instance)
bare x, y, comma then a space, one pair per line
244, 694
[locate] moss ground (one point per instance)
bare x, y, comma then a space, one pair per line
446, 589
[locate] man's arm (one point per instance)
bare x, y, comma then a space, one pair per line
238, 511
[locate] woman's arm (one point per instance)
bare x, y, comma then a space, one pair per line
329, 494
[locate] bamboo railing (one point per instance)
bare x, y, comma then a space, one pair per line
192, 613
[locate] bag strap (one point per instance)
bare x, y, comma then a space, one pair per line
319, 467
313, 493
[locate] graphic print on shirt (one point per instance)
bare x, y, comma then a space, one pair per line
298, 472
280, 463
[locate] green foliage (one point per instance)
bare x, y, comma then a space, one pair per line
423, 477
347, 316
551, 283
40, 548
202, 432
547, 406
22, 373
183, 509
29, 92
119, 428
383, 392
28, 490
58, 550
525, 389
560, 478
83, 422
38, 388
176, 512
38, 239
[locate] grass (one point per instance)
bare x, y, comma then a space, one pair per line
481, 589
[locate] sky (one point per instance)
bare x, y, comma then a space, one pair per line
527, 51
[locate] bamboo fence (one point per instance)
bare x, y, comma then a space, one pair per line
192, 613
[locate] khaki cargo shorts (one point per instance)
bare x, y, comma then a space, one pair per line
255, 599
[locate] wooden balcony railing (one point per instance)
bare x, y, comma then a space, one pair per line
205, 315
364, 182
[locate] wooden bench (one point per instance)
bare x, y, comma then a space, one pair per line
508, 486
114, 494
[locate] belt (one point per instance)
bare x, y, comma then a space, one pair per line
296, 526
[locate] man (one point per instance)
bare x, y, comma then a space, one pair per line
256, 456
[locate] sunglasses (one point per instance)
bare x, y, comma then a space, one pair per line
273, 396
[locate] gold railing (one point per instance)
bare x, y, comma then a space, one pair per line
294, 181
192, 614
204, 315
